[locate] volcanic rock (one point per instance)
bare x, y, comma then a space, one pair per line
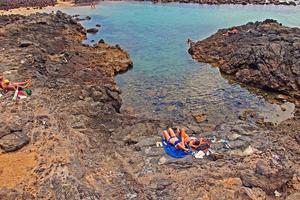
25, 43
13, 141
261, 54
92, 30
294, 196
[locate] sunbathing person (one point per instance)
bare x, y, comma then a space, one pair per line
185, 143
170, 136
189, 141
6, 85
196, 144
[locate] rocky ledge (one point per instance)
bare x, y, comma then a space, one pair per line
261, 54
73, 91
10, 4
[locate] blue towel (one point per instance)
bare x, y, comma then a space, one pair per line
172, 151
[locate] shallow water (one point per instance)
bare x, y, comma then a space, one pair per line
165, 82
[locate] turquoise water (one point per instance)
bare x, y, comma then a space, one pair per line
165, 82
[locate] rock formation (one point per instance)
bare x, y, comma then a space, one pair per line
9, 4
261, 54
70, 141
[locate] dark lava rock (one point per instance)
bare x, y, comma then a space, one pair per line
268, 183
92, 30
13, 141
10, 4
25, 43
262, 54
4, 130
297, 137
101, 41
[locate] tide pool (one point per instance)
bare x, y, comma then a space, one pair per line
165, 82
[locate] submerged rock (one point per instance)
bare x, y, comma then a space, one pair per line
92, 30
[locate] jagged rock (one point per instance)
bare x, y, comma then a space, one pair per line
242, 151
10, 4
101, 41
259, 54
268, 183
251, 194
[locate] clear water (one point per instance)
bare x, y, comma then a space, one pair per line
165, 82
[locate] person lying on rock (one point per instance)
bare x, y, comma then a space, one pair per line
6, 85
194, 143
186, 143
231, 32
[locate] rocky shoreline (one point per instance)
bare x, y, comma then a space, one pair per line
11, 4
234, 2
70, 141
218, 2
261, 54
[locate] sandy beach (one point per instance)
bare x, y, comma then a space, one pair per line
27, 11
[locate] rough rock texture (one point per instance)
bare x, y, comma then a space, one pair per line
242, 2
9, 4
262, 54
82, 147
216, 2
73, 89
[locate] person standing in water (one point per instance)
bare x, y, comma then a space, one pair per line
93, 4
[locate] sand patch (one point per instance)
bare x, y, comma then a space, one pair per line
27, 11
16, 168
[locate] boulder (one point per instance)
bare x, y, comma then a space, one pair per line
13, 141
92, 30
268, 183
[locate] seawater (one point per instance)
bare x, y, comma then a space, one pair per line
165, 82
